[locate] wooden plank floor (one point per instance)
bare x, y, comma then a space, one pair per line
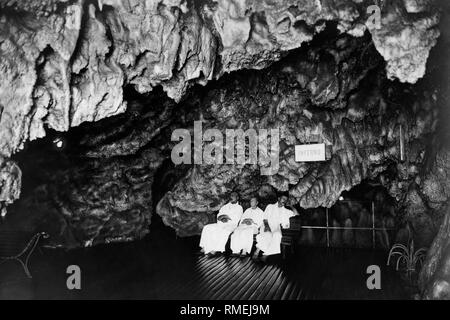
164, 270
311, 274
232, 278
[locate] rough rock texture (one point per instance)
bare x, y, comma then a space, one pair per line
356, 213
100, 201
404, 40
99, 187
26, 37
334, 92
10, 183
66, 62
435, 275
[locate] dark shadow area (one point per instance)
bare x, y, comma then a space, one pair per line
364, 217
162, 268
160, 265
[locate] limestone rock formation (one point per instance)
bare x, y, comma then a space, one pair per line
95, 201
435, 275
10, 183
311, 94
404, 39
66, 62
26, 38
321, 69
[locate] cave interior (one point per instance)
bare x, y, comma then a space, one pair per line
113, 201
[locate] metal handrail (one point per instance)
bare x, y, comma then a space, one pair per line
328, 227
345, 228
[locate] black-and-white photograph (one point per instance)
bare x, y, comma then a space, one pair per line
236, 151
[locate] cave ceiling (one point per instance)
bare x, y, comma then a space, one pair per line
122, 75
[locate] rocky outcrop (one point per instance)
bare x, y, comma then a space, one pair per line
10, 183
434, 280
404, 38
66, 62
98, 185
435, 274
335, 92
93, 201
27, 38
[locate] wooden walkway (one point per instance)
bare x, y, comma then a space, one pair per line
331, 275
139, 271
232, 278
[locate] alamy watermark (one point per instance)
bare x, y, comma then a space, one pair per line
251, 147
374, 20
74, 279
374, 280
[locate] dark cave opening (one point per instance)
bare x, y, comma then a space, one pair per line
112, 185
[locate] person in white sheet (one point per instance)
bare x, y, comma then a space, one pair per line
242, 237
275, 217
215, 235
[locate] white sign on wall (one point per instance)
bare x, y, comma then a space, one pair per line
310, 152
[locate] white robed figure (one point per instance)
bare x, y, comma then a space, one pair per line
242, 237
275, 217
215, 235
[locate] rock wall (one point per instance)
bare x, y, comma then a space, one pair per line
99, 186
10, 183
98, 201
310, 68
435, 274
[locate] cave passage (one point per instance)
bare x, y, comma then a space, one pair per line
364, 217
88, 156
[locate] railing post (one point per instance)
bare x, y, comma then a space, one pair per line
373, 225
328, 229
